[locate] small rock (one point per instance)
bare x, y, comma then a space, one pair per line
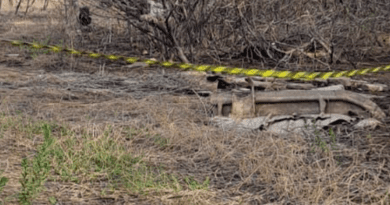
376, 87
370, 123
12, 55
136, 65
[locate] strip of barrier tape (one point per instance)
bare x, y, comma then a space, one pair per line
217, 69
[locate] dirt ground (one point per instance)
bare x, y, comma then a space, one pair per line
110, 122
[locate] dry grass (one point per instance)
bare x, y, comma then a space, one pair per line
94, 160
65, 140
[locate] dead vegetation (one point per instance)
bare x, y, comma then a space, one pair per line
84, 131
288, 35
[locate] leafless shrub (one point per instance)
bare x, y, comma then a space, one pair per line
274, 33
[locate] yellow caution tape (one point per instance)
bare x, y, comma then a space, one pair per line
204, 68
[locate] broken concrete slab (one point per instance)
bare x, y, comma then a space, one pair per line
287, 102
306, 123
270, 83
285, 124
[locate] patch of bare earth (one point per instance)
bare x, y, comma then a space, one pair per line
101, 111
